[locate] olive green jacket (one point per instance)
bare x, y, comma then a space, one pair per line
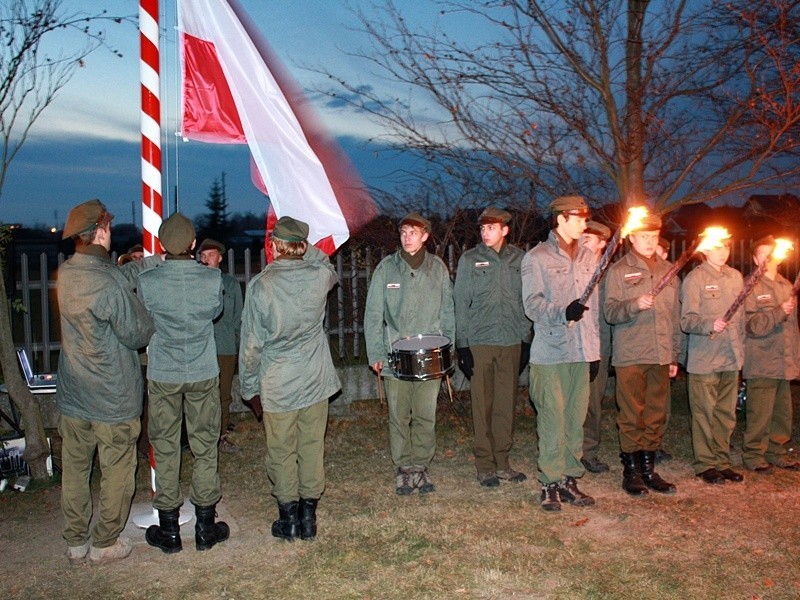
183, 297
102, 325
403, 302
228, 324
284, 354
488, 298
772, 343
705, 296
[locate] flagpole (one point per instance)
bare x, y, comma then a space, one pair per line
149, 79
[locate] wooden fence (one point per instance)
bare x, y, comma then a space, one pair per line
35, 322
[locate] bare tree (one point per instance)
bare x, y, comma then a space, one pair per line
30, 79
629, 101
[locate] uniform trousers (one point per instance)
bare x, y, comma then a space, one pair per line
642, 398
412, 420
168, 403
594, 413
560, 394
493, 390
712, 400
296, 451
769, 421
116, 453
227, 367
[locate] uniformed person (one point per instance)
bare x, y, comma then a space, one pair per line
410, 293
99, 394
771, 362
715, 355
554, 275
226, 336
647, 343
183, 297
285, 365
493, 342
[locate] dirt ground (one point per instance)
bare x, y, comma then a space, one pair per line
732, 541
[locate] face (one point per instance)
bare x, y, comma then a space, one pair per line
571, 226
137, 256
492, 235
644, 242
593, 242
412, 238
211, 258
761, 253
718, 256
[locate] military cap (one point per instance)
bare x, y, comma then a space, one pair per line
417, 220
494, 215
573, 205
135, 248
598, 229
209, 244
664, 243
649, 223
767, 240
176, 234
86, 216
290, 230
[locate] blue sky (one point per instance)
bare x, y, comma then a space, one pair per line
87, 143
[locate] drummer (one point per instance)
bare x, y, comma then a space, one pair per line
410, 294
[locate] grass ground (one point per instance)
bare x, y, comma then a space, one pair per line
732, 541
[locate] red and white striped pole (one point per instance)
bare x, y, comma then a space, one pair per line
149, 79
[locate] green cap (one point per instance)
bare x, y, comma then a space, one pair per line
767, 240
135, 248
290, 230
573, 205
417, 220
664, 243
209, 244
649, 223
494, 215
85, 217
598, 229
176, 234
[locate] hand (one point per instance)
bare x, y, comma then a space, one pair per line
377, 367
673, 370
575, 310
645, 302
594, 369
465, 361
788, 306
720, 325
254, 404
524, 356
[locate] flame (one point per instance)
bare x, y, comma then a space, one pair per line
713, 237
781, 249
636, 214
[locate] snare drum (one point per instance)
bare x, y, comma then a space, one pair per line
422, 357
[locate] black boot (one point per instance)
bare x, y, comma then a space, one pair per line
206, 531
167, 534
652, 479
632, 474
308, 518
287, 527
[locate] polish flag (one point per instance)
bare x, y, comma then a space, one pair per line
235, 91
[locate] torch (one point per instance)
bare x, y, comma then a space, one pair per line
778, 253
711, 237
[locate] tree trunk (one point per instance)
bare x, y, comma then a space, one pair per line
36, 448
634, 117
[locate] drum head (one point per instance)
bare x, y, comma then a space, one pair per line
421, 342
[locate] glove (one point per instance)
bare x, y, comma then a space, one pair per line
594, 369
254, 404
465, 361
575, 310
524, 356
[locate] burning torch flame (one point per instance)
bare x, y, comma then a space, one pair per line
782, 248
713, 237
636, 214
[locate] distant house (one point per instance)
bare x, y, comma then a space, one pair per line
776, 214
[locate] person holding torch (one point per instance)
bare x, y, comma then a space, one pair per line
715, 355
772, 360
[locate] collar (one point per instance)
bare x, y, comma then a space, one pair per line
95, 250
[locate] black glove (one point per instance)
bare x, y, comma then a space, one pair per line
594, 369
465, 361
524, 355
575, 310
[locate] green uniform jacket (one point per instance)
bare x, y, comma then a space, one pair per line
705, 296
403, 302
488, 298
772, 344
284, 354
651, 336
226, 327
102, 325
183, 297
550, 281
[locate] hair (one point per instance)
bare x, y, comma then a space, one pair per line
290, 248
87, 237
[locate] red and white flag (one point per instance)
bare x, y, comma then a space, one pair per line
235, 91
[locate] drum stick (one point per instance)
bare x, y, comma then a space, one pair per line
449, 389
380, 387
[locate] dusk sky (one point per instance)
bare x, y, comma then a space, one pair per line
87, 143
